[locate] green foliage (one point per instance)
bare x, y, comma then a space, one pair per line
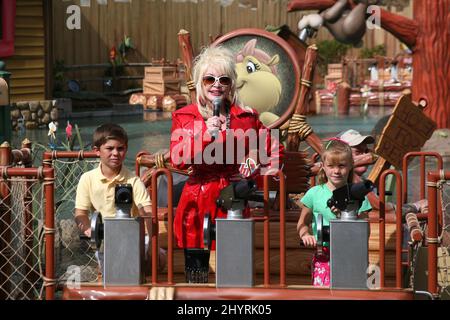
125, 46
379, 50
118, 60
331, 51
397, 4
59, 78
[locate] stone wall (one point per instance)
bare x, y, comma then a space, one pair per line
34, 114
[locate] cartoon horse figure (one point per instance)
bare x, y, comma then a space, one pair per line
257, 81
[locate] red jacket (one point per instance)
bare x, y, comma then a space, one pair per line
191, 147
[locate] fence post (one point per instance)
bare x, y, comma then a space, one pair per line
5, 223
49, 226
343, 98
28, 234
435, 180
5, 109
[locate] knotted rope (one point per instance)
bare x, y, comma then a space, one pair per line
298, 125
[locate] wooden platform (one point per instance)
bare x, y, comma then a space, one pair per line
298, 259
298, 272
210, 292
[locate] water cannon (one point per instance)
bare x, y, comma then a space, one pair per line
349, 198
123, 199
235, 196
123, 241
234, 235
233, 199
348, 237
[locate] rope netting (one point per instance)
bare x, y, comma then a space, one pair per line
443, 263
21, 221
22, 256
74, 257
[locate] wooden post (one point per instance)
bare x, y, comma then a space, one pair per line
306, 83
28, 237
343, 97
187, 55
5, 225
49, 227
345, 76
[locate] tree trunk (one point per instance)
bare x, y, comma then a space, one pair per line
431, 59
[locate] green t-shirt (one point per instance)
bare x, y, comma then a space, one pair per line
316, 199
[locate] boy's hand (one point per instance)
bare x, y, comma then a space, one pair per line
309, 241
87, 232
83, 222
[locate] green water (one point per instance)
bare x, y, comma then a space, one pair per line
153, 134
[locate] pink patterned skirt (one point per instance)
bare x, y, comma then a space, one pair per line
321, 268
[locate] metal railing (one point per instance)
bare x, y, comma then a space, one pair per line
26, 223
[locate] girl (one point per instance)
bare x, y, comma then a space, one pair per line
336, 171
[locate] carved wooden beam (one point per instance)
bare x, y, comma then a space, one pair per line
404, 29
307, 77
301, 5
187, 55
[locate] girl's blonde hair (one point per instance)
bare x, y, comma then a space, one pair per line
222, 60
335, 151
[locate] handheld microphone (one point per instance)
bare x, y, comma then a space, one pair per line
217, 103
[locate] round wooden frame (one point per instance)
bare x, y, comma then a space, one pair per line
287, 55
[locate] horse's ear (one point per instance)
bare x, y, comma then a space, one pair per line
249, 48
274, 60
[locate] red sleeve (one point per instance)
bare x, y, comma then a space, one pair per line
186, 144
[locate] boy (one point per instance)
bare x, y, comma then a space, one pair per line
358, 143
96, 187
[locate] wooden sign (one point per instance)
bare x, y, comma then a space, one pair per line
4, 99
407, 130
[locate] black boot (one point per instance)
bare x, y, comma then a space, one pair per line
196, 265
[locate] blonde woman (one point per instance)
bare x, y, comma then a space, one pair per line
198, 142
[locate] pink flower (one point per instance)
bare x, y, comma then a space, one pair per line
332, 87
69, 130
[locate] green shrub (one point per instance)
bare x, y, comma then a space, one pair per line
379, 50
331, 51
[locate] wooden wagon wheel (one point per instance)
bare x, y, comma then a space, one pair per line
295, 88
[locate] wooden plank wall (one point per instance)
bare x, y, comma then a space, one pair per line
153, 26
28, 63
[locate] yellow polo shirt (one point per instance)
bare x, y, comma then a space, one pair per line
96, 192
